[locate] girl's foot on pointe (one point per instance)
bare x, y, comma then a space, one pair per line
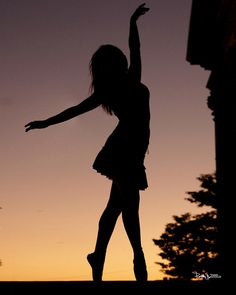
140, 269
96, 264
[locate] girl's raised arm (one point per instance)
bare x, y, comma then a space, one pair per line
135, 68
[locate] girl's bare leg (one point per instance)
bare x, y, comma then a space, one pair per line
130, 216
107, 224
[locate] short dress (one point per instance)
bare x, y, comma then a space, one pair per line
123, 154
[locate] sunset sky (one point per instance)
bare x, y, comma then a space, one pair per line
50, 197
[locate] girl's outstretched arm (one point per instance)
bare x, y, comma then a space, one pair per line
86, 105
134, 44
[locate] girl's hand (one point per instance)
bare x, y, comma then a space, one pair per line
141, 10
35, 125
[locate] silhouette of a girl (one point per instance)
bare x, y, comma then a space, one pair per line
118, 89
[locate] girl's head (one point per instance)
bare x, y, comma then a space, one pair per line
108, 67
108, 64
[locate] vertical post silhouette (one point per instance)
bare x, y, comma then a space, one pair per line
212, 45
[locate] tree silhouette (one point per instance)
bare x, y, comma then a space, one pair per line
189, 243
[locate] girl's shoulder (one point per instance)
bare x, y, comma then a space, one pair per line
144, 87
140, 88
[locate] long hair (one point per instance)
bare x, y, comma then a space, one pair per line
107, 64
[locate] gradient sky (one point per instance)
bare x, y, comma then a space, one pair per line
51, 198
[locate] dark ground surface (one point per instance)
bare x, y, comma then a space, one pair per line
211, 286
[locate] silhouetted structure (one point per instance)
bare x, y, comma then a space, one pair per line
212, 45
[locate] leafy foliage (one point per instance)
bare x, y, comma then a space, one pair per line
189, 243
207, 195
